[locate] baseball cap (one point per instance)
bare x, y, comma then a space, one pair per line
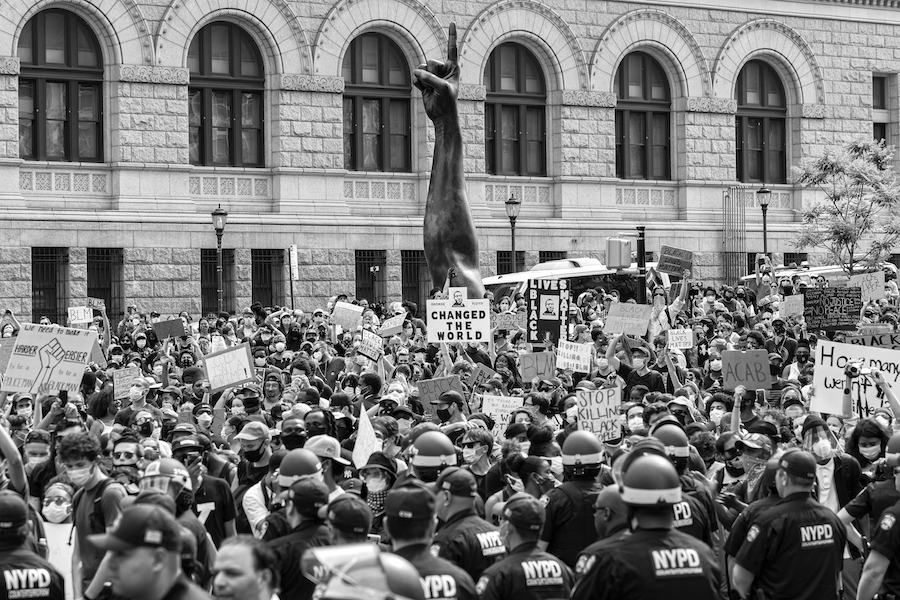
640, 350
141, 525
202, 408
798, 463
449, 396
308, 495
402, 412
775, 356
457, 481
13, 510
185, 428
352, 485
188, 441
524, 511
325, 446
350, 514
412, 501
756, 441
252, 431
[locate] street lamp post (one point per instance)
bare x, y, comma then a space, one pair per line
219, 218
512, 211
763, 195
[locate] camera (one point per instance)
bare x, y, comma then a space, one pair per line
855, 369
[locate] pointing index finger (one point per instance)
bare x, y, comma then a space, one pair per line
452, 51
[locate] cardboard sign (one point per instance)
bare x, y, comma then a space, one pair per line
537, 364
891, 341
548, 310
97, 356
674, 261
366, 441
828, 378
431, 389
79, 315
577, 357
749, 369
347, 315
682, 339
480, 375
508, 321
392, 326
122, 380
792, 306
627, 318
875, 329
371, 346
6, 348
832, 309
96, 303
229, 367
459, 320
598, 412
48, 357
870, 284
499, 408
171, 328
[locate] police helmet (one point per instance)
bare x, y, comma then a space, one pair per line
649, 480
166, 475
582, 450
361, 572
676, 443
298, 464
430, 454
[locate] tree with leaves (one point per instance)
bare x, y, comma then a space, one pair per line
858, 221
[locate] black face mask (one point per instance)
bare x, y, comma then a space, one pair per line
145, 429
293, 441
802, 358
775, 369
316, 429
254, 455
734, 471
443, 414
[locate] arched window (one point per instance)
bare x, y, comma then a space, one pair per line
376, 105
760, 125
514, 113
225, 98
60, 89
642, 119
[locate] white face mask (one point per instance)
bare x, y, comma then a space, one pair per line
471, 455
556, 466
822, 449
376, 484
638, 363
715, 415
57, 513
871, 453
25, 412
635, 424
79, 477
525, 446
135, 394
515, 483
603, 364
204, 420
715, 365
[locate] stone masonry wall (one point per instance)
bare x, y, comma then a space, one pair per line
163, 279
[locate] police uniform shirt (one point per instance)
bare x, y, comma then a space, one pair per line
886, 541
872, 501
440, 578
649, 563
526, 574
289, 550
185, 589
275, 525
26, 576
470, 542
742, 522
795, 549
691, 518
214, 506
587, 558
569, 528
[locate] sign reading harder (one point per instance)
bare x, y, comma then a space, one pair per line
459, 319
47, 358
832, 309
627, 318
598, 412
829, 378
229, 367
674, 261
548, 310
749, 369
576, 357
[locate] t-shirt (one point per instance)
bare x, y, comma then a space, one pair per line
214, 506
652, 379
87, 522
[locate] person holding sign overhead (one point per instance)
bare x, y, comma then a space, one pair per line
639, 372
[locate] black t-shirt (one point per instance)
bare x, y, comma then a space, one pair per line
214, 506
25, 575
873, 500
652, 379
886, 541
289, 550
185, 589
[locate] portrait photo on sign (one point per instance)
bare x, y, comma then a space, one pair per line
550, 307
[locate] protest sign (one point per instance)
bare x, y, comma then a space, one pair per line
431, 389
890, 341
295, 262
6, 348
499, 408
508, 321
577, 357
392, 326
537, 364
874, 329
598, 412
480, 374
791, 307
459, 320
371, 345
674, 261
171, 328
229, 367
749, 369
47, 358
631, 319
96, 356
548, 310
79, 315
681, 339
871, 285
831, 309
832, 359
366, 441
347, 315
122, 380
96, 303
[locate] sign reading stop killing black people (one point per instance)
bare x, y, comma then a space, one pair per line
548, 310
832, 309
458, 319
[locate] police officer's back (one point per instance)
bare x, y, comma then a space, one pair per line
24, 573
527, 572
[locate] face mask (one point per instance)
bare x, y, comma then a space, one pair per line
260, 362
254, 455
204, 421
715, 415
135, 394
635, 424
871, 453
376, 484
515, 483
157, 431
471, 455
315, 429
443, 414
294, 440
117, 357
715, 365
556, 466
525, 446
638, 364
25, 412
145, 429
603, 364
802, 358
775, 370
33, 462
572, 414
57, 513
141, 343
822, 449
279, 347
404, 425
885, 424
79, 477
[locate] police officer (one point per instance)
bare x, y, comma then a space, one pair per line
655, 560
569, 526
430, 453
794, 550
882, 568
526, 573
409, 522
24, 573
463, 537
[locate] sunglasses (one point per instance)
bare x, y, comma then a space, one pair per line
125, 455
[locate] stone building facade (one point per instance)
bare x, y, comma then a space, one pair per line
140, 217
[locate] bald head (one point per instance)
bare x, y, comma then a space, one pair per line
610, 513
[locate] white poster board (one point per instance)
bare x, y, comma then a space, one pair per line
828, 378
459, 320
792, 306
229, 367
499, 408
682, 339
79, 315
371, 346
577, 357
47, 358
366, 441
872, 285
598, 412
631, 319
392, 326
347, 315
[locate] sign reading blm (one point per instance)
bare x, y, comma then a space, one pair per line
832, 309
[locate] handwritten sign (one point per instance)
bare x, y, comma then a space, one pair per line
347, 315
832, 359
479, 375
548, 310
97, 356
392, 326
366, 441
537, 364
47, 358
674, 261
79, 315
371, 346
598, 412
122, 380
891, 341
508, 321
6, 348
570, 355
832, 309
874, 329
749, 369
171, 328
431, 389
631, 319
792, 306
499, 408
870, 284
459, 320
229, 367
682, 339
96, 303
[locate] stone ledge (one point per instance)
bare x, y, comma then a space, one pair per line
312, 83
585, 98
813, 111
148, 74
9, 65
725, 106
470, 91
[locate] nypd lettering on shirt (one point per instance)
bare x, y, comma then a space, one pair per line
27, 583
683, 515
438, 587
542, 572
812, 536
676, 562
491, 544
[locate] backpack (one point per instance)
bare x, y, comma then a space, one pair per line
97, 521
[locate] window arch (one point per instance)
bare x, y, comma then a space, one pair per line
60, 89
225, 98
376, 105
515, 112
761, 124
642, 119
